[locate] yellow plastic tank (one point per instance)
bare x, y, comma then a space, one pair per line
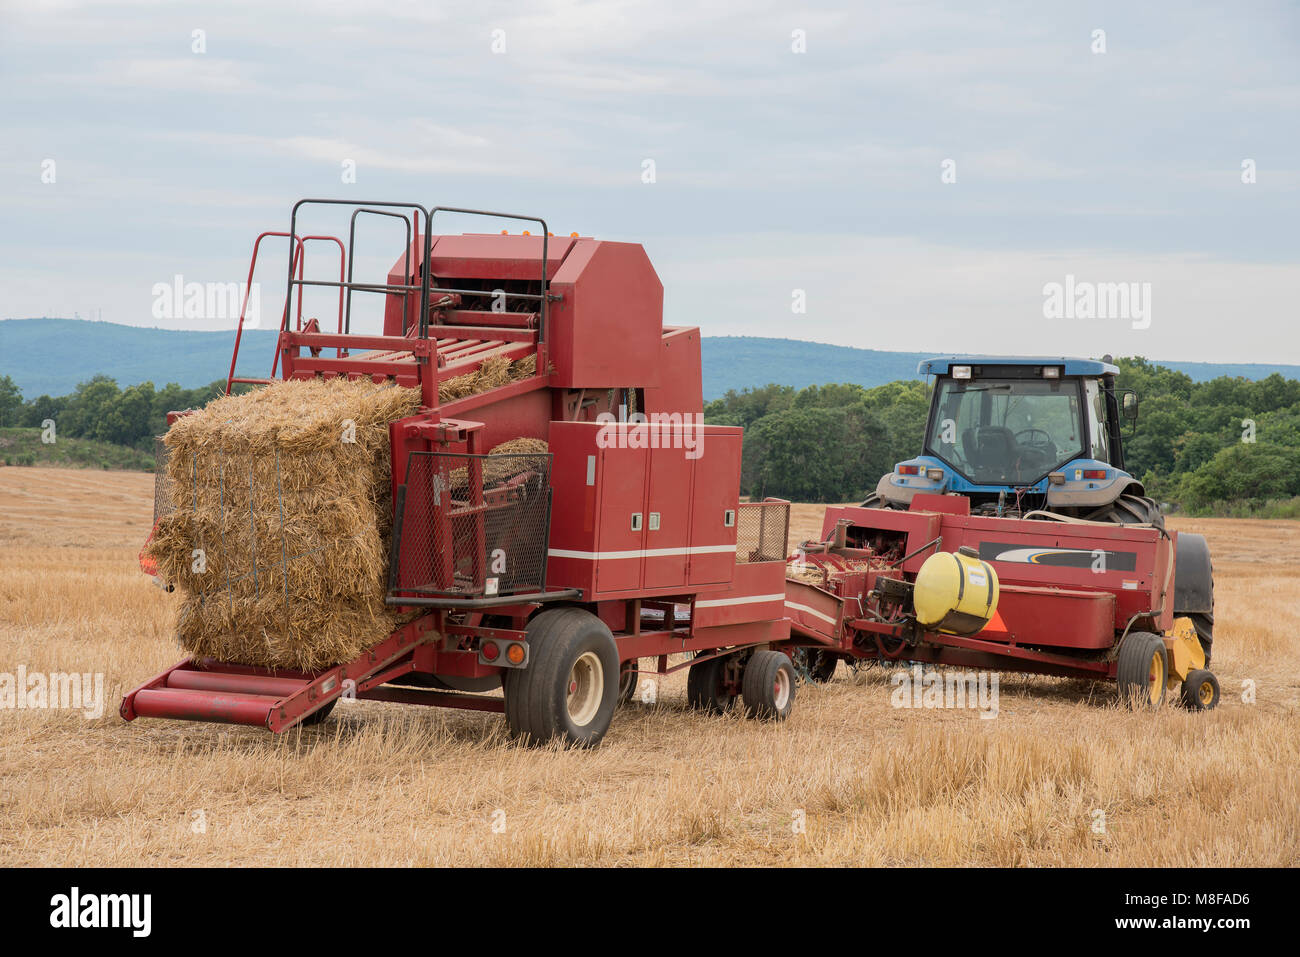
955, 593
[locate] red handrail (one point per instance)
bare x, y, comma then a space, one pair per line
300, 258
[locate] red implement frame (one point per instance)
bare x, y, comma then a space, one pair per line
598, 334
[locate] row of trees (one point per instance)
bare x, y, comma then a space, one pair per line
98, 409
1213, 445
1203, 446
826, 443
1209, 446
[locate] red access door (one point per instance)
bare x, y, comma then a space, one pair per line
622, 527
668, 516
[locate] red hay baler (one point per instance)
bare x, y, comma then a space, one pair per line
1071, 598
537, 583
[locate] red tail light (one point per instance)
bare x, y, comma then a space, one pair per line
491, 650
1094, 473
909, 470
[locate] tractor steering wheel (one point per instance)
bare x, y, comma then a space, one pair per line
1045, 442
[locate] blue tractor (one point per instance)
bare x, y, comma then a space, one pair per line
1040, 438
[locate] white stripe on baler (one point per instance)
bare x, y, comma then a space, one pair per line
642, 552
812, 611
742, 600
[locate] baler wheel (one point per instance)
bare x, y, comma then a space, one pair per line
629, 678
706, 688
1201, 690
316, 717
570, 688
768, 686
1143, 670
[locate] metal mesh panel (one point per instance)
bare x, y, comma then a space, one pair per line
762, 531
163, 503
472, 525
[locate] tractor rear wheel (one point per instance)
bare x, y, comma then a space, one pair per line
768, 686
1194, 587
875, 501
1129, 510
1143, 670
570, 688
706, 686
1201, 690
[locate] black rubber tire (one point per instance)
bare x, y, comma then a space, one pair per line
768, 686
875, 501
629, 679
1201, 690
538, 705
1129, 510
1137, 653
316, 717
705, 690
1204, 624
1196, 591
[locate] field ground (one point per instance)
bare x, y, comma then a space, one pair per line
386, 784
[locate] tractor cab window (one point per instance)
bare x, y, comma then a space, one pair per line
1006, 431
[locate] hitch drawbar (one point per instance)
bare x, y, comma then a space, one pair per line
272, 699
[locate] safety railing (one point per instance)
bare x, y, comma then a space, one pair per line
471, 526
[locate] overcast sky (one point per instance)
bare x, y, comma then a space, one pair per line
774, 170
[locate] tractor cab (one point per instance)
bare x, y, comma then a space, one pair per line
1016, 434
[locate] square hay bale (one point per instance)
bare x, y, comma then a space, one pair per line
278, 540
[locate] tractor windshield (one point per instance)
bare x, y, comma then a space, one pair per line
1006, 431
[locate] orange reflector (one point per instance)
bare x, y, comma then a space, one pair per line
515, 653
505, 232
527, 233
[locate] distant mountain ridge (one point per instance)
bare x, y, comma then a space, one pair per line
51, 356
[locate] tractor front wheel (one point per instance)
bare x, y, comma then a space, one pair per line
570, 688
1143, 670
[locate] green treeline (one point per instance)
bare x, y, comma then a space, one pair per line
832, 443
1227, 446
101, 411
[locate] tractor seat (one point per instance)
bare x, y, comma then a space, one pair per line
993, 447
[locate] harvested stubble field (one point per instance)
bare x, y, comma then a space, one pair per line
386, 784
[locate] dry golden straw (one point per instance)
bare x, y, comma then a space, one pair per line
279, 540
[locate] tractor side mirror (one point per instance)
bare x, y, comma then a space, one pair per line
1129, 406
